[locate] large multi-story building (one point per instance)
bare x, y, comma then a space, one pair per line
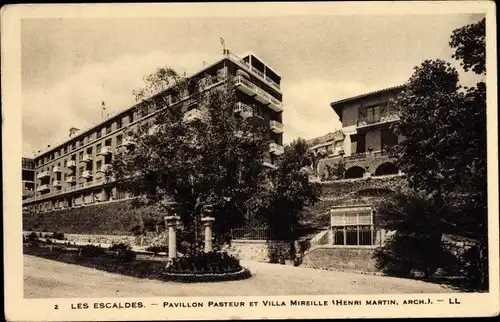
28, 177
366, 121
72, 173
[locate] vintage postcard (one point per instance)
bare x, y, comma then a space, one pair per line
250, 160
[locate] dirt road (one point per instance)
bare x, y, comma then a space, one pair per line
49, 279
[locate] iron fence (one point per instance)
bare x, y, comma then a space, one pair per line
258, 233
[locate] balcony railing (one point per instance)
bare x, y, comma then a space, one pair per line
243, 110
56, 183
43, 187
87, 174
262, 96
194, 114
366, 155
253, 69
105, 150
276, 149
276, 126
71, 164
43, 174
104, 168
382, 118
56, 169
128, 141
87, 158
70, 179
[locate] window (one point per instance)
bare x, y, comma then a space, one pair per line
107, 142
119, 140
108, 128
373, 114
98, 165
99, 133
258, 111
131, 117
98, 148
358, 143
353, 228
388, 138
119, 123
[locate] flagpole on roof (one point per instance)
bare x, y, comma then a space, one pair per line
103, 108
223, 44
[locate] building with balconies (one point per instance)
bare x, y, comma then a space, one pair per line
73, 172
28, 177
366, 126
349, 157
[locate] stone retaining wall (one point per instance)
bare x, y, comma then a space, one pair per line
148, 240
358, 259
259, 250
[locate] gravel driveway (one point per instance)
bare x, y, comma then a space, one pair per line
45, 279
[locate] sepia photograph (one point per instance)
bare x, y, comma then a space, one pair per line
195, 159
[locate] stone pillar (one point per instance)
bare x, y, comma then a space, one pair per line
171, 223
208, 223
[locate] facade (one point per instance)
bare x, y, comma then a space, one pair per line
73, 172
28, 177
366, 121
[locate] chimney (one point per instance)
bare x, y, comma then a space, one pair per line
73, 131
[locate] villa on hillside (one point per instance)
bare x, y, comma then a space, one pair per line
369, 173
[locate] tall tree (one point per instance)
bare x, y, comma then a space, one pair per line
470, 46
291, 190
444, 151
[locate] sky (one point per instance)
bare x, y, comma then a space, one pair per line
70, 65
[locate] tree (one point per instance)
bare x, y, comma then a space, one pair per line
469, 43
291, 191
444, 151
206, 155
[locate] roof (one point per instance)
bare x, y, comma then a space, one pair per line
329, 137
336, 105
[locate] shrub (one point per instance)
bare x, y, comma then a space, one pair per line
157, 249
92, 251
200, 262
123, 252
404, 253
120, 246
32, 236
58, 236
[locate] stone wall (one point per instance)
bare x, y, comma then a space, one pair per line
358, 259
82, 239
341, 188
115, 218
259, 250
